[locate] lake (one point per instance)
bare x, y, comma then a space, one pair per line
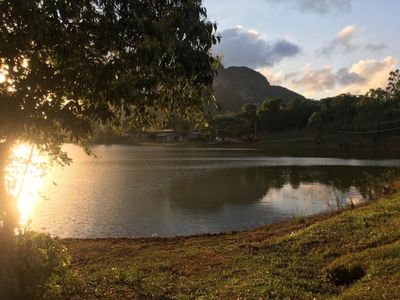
134, 191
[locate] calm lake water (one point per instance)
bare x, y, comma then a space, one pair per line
130, 191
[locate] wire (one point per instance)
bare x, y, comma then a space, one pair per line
360, 126
368, 132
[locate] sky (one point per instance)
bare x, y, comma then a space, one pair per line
319, 48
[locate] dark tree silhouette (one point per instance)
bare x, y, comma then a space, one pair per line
66, 64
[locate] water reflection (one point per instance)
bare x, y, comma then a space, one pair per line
24, 178
139, 191
308, 199
330, 185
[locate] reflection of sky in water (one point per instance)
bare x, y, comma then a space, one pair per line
139, 191
307, 199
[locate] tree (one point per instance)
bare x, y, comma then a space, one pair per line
269, 114
230, 125
314, 124
297, 112
65, 64
393, 88
374, 114
249, 112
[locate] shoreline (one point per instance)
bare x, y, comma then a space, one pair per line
302, 259
298, 220
282, 147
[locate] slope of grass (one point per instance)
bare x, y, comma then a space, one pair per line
351, 255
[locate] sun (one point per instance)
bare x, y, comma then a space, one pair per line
24, 177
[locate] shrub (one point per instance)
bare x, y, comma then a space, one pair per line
41, 268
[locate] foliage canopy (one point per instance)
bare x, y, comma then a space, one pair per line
67, 63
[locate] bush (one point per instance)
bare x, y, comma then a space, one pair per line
41, 267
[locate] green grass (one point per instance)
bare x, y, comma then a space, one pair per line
351, 255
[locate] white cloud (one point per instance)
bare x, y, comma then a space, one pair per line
250, 48
375, 72
315, 80
345, 40
273, 78
346, 34
358, 79
348, 40
346, 77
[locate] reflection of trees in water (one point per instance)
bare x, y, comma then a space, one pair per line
248, 185
217, 189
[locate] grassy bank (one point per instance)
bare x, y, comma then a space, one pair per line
351, 255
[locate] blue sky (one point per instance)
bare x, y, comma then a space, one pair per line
316, 47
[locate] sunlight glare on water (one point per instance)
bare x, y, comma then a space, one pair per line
24, 178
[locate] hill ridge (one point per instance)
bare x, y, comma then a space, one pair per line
237, 85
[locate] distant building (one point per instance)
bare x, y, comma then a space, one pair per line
194, 136
167, 135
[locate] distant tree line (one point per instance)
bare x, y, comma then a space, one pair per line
375, 113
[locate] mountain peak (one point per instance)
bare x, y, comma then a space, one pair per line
243, 73
236, 86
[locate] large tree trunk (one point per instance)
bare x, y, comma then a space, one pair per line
8, 225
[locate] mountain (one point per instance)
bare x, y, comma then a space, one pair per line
235, 86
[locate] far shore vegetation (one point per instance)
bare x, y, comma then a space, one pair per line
343, 121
